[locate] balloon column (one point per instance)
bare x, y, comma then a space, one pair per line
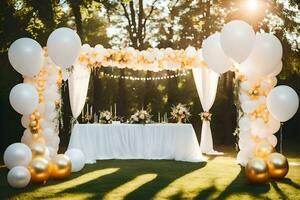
38, 99
256, 61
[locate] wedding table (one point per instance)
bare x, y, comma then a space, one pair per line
136, 141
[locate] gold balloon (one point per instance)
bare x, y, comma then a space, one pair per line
38, 149
61, 167
32, 117
278, 165
263, 149
39, 169
37, 115
257, 171
33, 123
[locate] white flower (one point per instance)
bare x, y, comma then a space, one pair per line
142, 116
107, 117
180, 112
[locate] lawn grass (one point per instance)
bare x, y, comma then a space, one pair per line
219, 178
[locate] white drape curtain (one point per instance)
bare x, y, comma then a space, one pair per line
206, 82
78, 87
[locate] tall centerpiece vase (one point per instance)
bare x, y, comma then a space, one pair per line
179, 120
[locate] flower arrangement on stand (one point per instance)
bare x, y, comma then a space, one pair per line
105, 117
180, 113
140, 117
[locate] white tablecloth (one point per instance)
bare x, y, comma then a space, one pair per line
136, 141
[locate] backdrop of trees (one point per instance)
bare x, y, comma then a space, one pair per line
143, 24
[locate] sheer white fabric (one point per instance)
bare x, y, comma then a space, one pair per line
78, 87
206, 82
136, 141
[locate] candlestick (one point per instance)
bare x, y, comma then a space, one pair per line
87, 109
158, 117
115, 110
91, 110
111, 109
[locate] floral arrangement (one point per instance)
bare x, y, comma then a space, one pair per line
180, 113
105, 117
152, 59
140, 117
205, 116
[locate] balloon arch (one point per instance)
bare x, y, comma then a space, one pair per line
255, 58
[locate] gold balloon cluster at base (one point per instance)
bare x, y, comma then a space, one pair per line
34, 122
266, 164
42, 167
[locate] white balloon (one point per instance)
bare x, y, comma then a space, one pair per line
282, 102
77, 159
273, 124
27, 137
242, 157
244, 123
249, 106
18, 177
49, 107
52, 152
214, 56
237, 40
48, 133
272, 139
51, 80
17, 154
26, 56
54, 141
259, 128
277, 70
25, 121
64, 46
264, 58
246, 85
41, 108
24, 98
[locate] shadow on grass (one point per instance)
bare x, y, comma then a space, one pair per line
166, 172
239, 186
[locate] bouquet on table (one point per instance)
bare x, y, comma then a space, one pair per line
140, 117
105, 117
180, 113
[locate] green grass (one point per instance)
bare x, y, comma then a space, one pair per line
219, 178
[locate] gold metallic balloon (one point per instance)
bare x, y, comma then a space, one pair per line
257, 171
33, 123
32, 117
263, 149
38, 149
37, 115
278, 165
39, 169
61, 166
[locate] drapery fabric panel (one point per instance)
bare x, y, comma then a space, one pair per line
78, 88
206, 82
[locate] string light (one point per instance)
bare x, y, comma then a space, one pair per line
136, 78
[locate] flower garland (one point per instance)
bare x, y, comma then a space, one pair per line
152, 59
